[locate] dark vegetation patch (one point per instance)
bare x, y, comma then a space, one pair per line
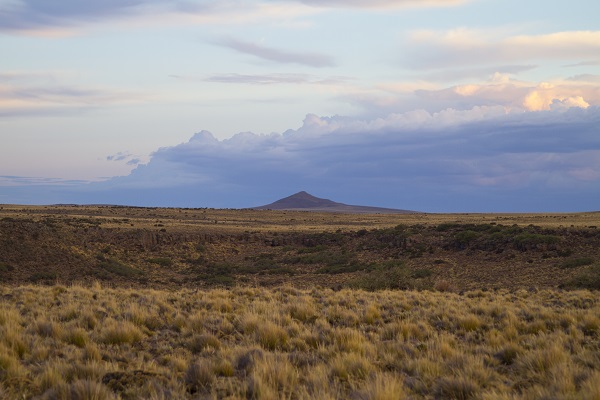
577, 262
418, 256
5, 270
162, 261
107, 266
588, 278
45, 277
392, 274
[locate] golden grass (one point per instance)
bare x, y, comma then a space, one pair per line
103, 343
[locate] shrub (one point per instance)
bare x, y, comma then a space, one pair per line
162, 261
462, 239
445, 227
577, 262
118, 268
5, 269
47, 277
391, 275
422, 273
586, 279
526, 241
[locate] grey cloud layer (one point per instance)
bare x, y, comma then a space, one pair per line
382, 3
271, 79
26, 15
32, 94
277, 55
449, 161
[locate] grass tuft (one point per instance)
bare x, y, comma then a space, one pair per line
199, 376
120, 333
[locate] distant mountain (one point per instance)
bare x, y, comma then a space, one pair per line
303, 201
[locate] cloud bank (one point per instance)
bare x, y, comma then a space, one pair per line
482, 159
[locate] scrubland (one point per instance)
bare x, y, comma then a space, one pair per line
103, 302
95, 342
173, 248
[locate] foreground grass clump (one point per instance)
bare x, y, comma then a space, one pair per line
92, 342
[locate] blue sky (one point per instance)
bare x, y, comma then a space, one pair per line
440, 105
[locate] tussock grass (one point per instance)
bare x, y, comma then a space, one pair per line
121, 332
105, 343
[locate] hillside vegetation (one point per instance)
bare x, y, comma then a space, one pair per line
171, 248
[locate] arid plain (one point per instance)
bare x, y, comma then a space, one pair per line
102, 302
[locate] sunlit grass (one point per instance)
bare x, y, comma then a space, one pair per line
95, 342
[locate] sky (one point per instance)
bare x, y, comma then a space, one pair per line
427, 105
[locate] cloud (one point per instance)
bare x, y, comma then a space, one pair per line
68, 17
584, 64
383, 4
458, 47
41, 94
482, 159
130, 159
585, 78
34, 14
269, 79
500, 90
281, 56
479, 73
122, 156
11, 180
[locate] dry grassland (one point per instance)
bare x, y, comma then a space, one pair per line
151, 303
91, 342
235, 221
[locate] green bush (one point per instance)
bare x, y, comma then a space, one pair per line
43, 276
525, 241
463, 238
422, 273
391, 275
586, 279
162, 261
445, 227
220, 274
4, 270
116, 267
577, 262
